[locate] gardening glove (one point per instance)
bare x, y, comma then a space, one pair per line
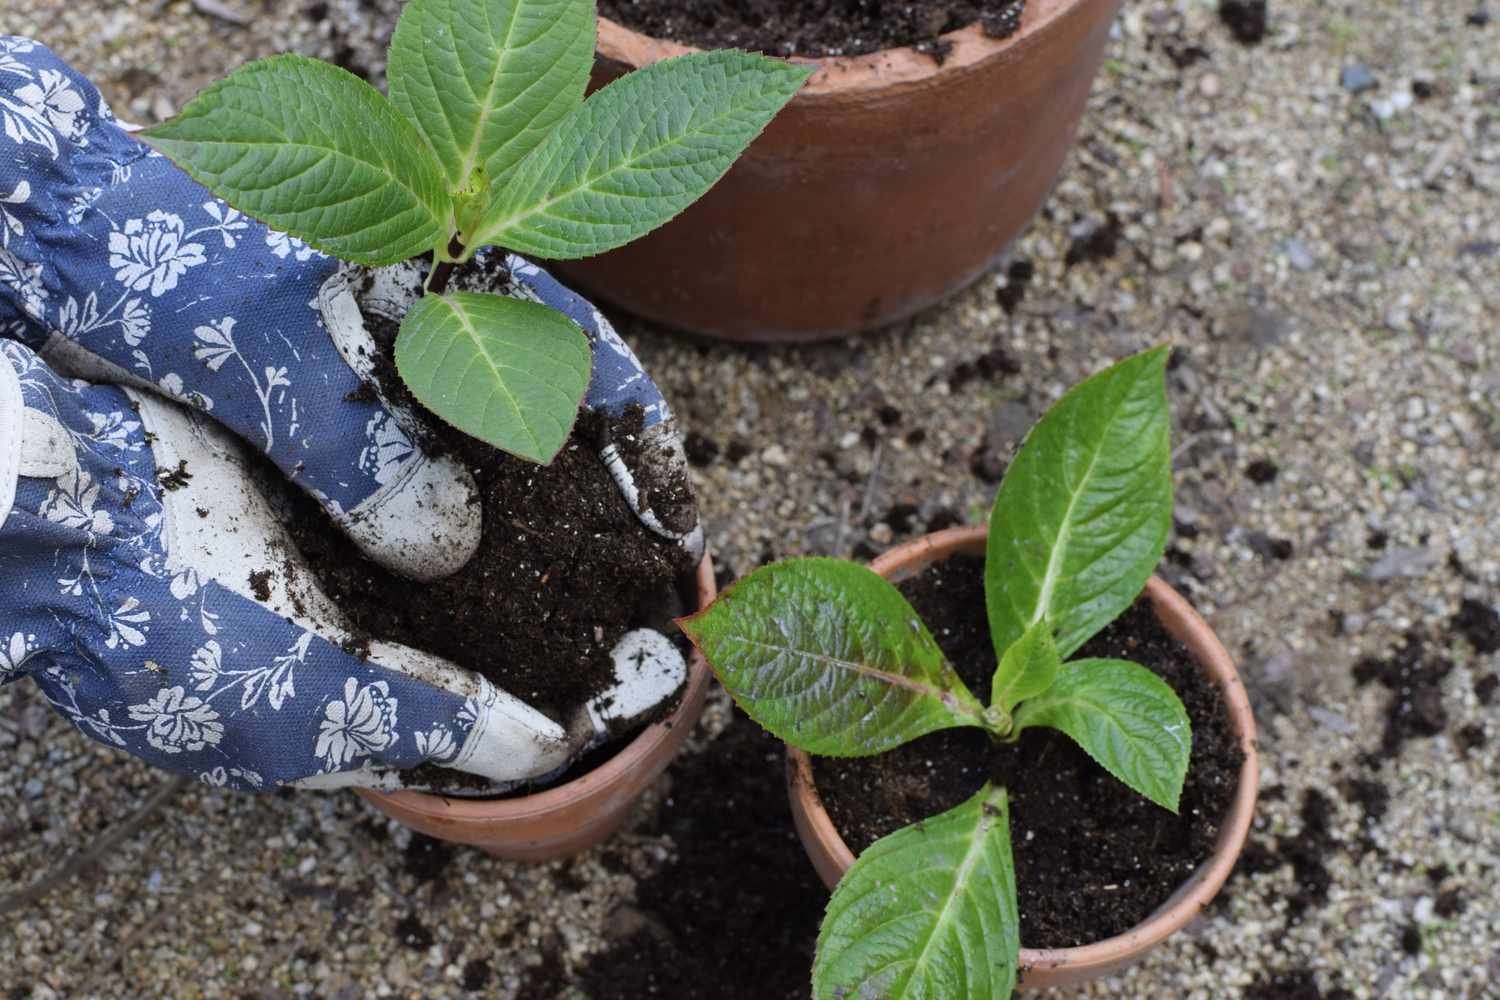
130, 272
151, 592
100, 272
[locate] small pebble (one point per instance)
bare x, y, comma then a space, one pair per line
1332, 720
1297, 254
1388, 107
775, 456
1357, 78
1404, 561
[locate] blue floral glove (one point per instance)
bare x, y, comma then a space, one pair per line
117, 266
169, 616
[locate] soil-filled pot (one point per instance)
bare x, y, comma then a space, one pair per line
1042, 968
888, 183
580, 813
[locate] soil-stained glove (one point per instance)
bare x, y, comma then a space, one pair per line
149, 590
117, 266
165, 614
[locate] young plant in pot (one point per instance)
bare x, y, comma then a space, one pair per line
540, 546
831, 657
931, 134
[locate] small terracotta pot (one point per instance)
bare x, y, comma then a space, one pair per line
570, 818
888, 183
1042, 968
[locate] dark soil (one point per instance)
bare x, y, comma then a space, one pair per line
1414, 676
564, 567
1018, 278
1262, 471
1094, 240
411, 932
1093, 858
1308, 853
1293, 984
735, 915
476, 975
1484, 689
1480, 624
175, 479
1246, 20
1374, 801
815, 28
426, 857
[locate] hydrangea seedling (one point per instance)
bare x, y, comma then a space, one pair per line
831, 658
486, 139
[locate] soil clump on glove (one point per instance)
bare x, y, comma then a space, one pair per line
815, 28
563, 570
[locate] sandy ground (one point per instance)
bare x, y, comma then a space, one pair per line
1326, 264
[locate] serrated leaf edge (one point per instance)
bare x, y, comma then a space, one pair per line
537, 454
441, 213
492, 231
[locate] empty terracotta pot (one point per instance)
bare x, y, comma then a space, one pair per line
1042, 968
888, 183
573, 817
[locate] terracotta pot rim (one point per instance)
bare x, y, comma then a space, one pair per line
1196, 891
619, 769
874, 71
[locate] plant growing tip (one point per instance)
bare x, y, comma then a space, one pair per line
831, 658
486, 139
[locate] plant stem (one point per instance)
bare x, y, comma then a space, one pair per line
999, 722
442, 270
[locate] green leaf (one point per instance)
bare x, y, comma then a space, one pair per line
1082, 517
485, 80
508, 372
1126, 718
1027, 669
928, 912
829, 657
636, 153
314, 151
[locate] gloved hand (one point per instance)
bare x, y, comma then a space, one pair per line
136, 613
128, 271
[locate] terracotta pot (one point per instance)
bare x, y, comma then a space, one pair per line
1047, 967
570, 818
887, 184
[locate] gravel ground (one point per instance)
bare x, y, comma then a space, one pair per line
1325, 259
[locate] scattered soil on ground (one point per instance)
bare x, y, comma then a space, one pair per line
1093, 858
1246, 20
426, 858
1480, 624
564, 567
1309, 853
735, 915
1293, 984
1413, 674
815, 28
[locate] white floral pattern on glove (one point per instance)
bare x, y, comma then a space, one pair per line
177, 721
361, 724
